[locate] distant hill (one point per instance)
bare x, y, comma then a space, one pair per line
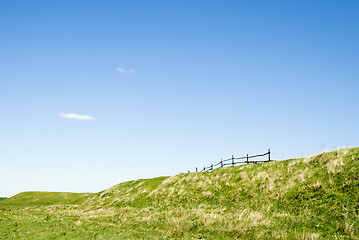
305, 198
27, 199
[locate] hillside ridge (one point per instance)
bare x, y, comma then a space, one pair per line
304, 198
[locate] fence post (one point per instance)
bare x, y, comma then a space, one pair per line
212, 167
221, 163
268, 154
232, 160
196, 169
247, 159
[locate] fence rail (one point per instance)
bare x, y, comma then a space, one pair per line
234, 161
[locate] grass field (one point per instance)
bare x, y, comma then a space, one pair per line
311, 198
28, 199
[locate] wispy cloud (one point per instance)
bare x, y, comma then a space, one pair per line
76, 116
122, 70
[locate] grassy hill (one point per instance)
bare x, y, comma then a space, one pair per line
311, 198
43, 198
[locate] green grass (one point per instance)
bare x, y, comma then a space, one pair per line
27, 199
312, 198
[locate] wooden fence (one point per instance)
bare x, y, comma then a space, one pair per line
237, 161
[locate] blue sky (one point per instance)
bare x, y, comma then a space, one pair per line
94, 93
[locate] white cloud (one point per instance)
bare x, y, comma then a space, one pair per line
125, 70
76, 116
121, 70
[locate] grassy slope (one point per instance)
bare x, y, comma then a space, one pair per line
311, 198
27, 199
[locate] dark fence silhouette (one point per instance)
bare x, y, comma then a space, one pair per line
237, 161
